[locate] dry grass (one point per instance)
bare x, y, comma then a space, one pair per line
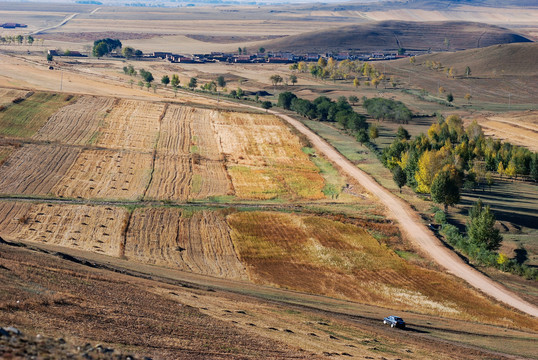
322, 256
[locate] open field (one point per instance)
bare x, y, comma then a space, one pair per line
8, 95
77, 122
89, 228
265, 159
35, 169
195, 241
131, 125
322, 256
106, 174
24, 118
519, 128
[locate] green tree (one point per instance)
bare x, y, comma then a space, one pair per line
373, 132
275, 79
267, 105
175, 81
445, 189
127, 52
353, 99
534, 167
100, 50
467, 71
362, 136
285, 99
193, 82
402, 134
399, 176
165, 80
141, 84
293, 79
450, 97
481, 229
261, 50
19, 39
239, 50
146, 75
220, 81
30, 39
50, 57
148, 85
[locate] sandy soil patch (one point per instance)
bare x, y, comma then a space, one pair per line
35, 169
196, 241
90, 228
519, 128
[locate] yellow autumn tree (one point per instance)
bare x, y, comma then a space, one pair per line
429, 164
455, 124
500, 169
511, 169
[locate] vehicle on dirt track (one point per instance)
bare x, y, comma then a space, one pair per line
394, 321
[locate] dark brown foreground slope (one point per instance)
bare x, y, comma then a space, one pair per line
392, 35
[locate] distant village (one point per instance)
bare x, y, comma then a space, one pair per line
265, 57
13, 25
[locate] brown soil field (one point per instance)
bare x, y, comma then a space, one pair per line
265, 159
76, 123
318, 255
35, 169
106, 174
47, 295
196, 241
519, 128
89, 228
92, 36
131, 125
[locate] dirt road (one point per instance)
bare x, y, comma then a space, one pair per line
411, 225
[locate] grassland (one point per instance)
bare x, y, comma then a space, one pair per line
25, 118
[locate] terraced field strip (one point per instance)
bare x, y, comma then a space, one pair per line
265, 159
131, 125
77, 122
84, 227
204, 134
172, 178
210, 178
35, 169
106, 174
196, 241
317, 255
25, 118
175, 137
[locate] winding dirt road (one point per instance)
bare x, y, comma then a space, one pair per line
411, 225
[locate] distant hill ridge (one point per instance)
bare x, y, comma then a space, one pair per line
391, 35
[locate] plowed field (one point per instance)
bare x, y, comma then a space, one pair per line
106, 174
35, 169
318, 255
198, 242
265, 159
131, 125
91, 228
76, 123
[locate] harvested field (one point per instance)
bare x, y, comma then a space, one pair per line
131, 125
180, 178
175, 136
35, 169
171, 178
198, 242
5, 152
265, 159
106, 174
26, 117
204, 136
76, 123
318, 255
90, 228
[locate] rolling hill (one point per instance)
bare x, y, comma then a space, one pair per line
391, 35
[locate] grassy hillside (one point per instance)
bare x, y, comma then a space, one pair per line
504, 59
391, 35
